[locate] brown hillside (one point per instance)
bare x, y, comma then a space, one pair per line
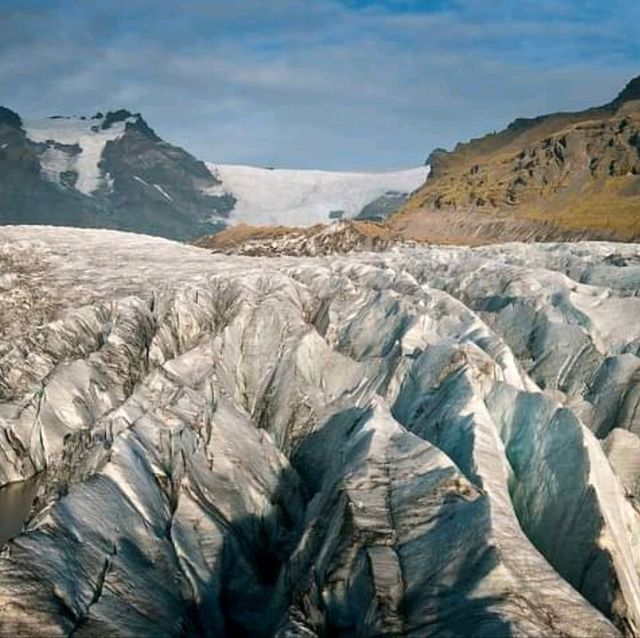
559, 176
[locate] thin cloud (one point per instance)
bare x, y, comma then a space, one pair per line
327, 84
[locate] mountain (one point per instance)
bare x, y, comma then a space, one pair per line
108, 171
428, 441
557, 176
113, 171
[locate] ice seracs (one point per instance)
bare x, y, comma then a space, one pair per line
431, 440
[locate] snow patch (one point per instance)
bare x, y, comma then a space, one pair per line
54, 161
163, 192
70, 131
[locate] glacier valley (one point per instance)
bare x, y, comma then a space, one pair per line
426, 441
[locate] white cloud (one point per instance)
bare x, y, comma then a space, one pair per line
294, 83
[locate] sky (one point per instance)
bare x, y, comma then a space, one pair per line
335, 84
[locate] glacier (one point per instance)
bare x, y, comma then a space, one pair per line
429, 440
294, 197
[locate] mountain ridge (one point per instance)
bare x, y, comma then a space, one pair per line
563, 174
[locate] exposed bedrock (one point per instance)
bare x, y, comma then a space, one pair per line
401, 443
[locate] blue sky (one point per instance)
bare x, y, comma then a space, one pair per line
351, 84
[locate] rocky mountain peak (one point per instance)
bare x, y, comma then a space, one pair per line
10, 118
140, 124
121, 115
132, 121
630, 92
107, 170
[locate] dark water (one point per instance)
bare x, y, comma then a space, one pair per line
15, 503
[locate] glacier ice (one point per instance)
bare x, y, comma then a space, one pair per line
293, 197
426, 441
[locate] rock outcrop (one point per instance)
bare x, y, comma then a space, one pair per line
338, 238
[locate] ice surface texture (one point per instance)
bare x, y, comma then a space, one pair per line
424, 442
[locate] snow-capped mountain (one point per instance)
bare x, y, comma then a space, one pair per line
108, 171
270, 197
431, 441
113, 171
